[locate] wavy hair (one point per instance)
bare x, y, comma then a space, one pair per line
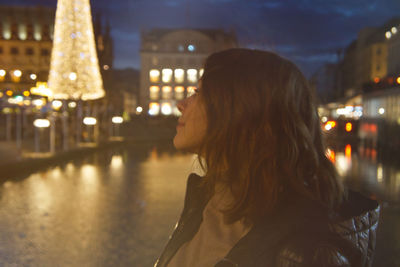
263, 134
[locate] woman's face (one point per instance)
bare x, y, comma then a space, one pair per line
192, 125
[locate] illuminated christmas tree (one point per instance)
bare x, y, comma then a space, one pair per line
74, 69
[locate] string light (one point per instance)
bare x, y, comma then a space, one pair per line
74, 69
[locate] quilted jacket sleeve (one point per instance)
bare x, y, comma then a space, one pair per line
320, 256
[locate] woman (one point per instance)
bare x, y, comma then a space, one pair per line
269, 196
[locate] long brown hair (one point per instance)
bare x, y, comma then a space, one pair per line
263, 133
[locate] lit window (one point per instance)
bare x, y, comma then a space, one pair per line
166, 108
2, 75
16, 75
166, 75
154, 108
154, 92
154, 76
192, 75
179, 92
191, 90
166, 92
179, 76
201, 71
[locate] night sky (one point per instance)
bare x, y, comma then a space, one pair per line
309, 32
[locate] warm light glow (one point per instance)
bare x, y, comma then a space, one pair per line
72, 76
166, 109
116, 162
388, 35
394, 30
9, 93
117, 119
17, 100
381, 111
201, 71
2, 73
192, 75
329, 125
38, 102
106, 67
72, 104
56, 104
379, 173
154, 108
179, 75
42, 90
376, 80
154, 92
33, 76
191, 90
349, 127
89, 121
154, 76
139, 110
324, 119
179, 92
166, 75
398, 80
166, 92
17, 73
26, 93
154, 89
74, 69
347, 151
331, 155
41, 123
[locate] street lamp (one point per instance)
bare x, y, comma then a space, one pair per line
56, 104
117, 120
90, 121
39, 125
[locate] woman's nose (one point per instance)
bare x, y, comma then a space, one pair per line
181, 105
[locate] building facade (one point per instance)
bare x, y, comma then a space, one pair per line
26, 40
25, 46
172, 63
372, 58
392, 35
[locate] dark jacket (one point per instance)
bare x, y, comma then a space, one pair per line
299, 233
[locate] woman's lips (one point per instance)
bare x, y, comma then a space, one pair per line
180, 124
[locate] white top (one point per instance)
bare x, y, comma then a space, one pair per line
214, 238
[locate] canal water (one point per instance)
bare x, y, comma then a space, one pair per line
117, 207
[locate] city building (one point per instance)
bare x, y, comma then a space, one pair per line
25, 46
371, 58
172, 62
26, 40
392, 35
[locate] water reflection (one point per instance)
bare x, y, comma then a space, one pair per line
118, 206
114, 208
361, 169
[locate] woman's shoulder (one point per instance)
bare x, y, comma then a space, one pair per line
347, 239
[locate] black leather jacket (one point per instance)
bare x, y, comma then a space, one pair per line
299, 234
